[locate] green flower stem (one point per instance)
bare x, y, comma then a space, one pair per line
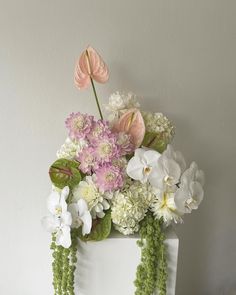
94, 90
96, 97
152, 271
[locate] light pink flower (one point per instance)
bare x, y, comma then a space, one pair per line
90, 65
106, 148
125, 144
132, 123
99, 128
79, 125
109, 178
87, 160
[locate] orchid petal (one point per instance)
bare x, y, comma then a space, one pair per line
50, 223
66, 219
197, 193
151, 157
53, 201
63, 237
175, 155
135, 169
181, 197
87, 223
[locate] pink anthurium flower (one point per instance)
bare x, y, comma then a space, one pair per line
90, 66
132, 123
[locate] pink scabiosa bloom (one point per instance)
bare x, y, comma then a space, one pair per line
109, 178
79, 125
98, 129
87, 160
125, 144
106, 148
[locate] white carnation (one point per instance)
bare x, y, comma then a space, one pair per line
130, 205
71, 148
119, 103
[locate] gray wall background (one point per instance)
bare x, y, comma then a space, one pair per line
179, 56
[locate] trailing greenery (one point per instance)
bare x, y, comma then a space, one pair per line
152, 271
64, 265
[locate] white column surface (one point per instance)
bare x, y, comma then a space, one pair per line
108, 267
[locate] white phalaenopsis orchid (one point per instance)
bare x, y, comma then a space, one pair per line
81, 216
176, 191
168, 174
60, 220
176, 156
190, 193
144, 165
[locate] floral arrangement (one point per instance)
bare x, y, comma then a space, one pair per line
121, 174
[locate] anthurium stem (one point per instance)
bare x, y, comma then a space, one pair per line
96, 97
94, 90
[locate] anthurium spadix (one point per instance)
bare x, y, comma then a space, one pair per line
60, 220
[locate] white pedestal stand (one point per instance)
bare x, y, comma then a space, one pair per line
109, 267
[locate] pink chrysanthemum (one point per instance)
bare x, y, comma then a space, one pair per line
106, 148
79, 125
99, 128
87, 160
109, 178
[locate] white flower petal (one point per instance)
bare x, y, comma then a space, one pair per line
98, 208
82, 207
53, 201
63, 204
139, 153
105, 205
151, 158
65, 192
63, 237
66, 219
200, 177
181, 197
73, 209
100, 214
175, 155
50, 223
87, 223
135, 169
197, 193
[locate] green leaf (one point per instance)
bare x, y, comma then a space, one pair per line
100, 230
65, 172
155, 141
